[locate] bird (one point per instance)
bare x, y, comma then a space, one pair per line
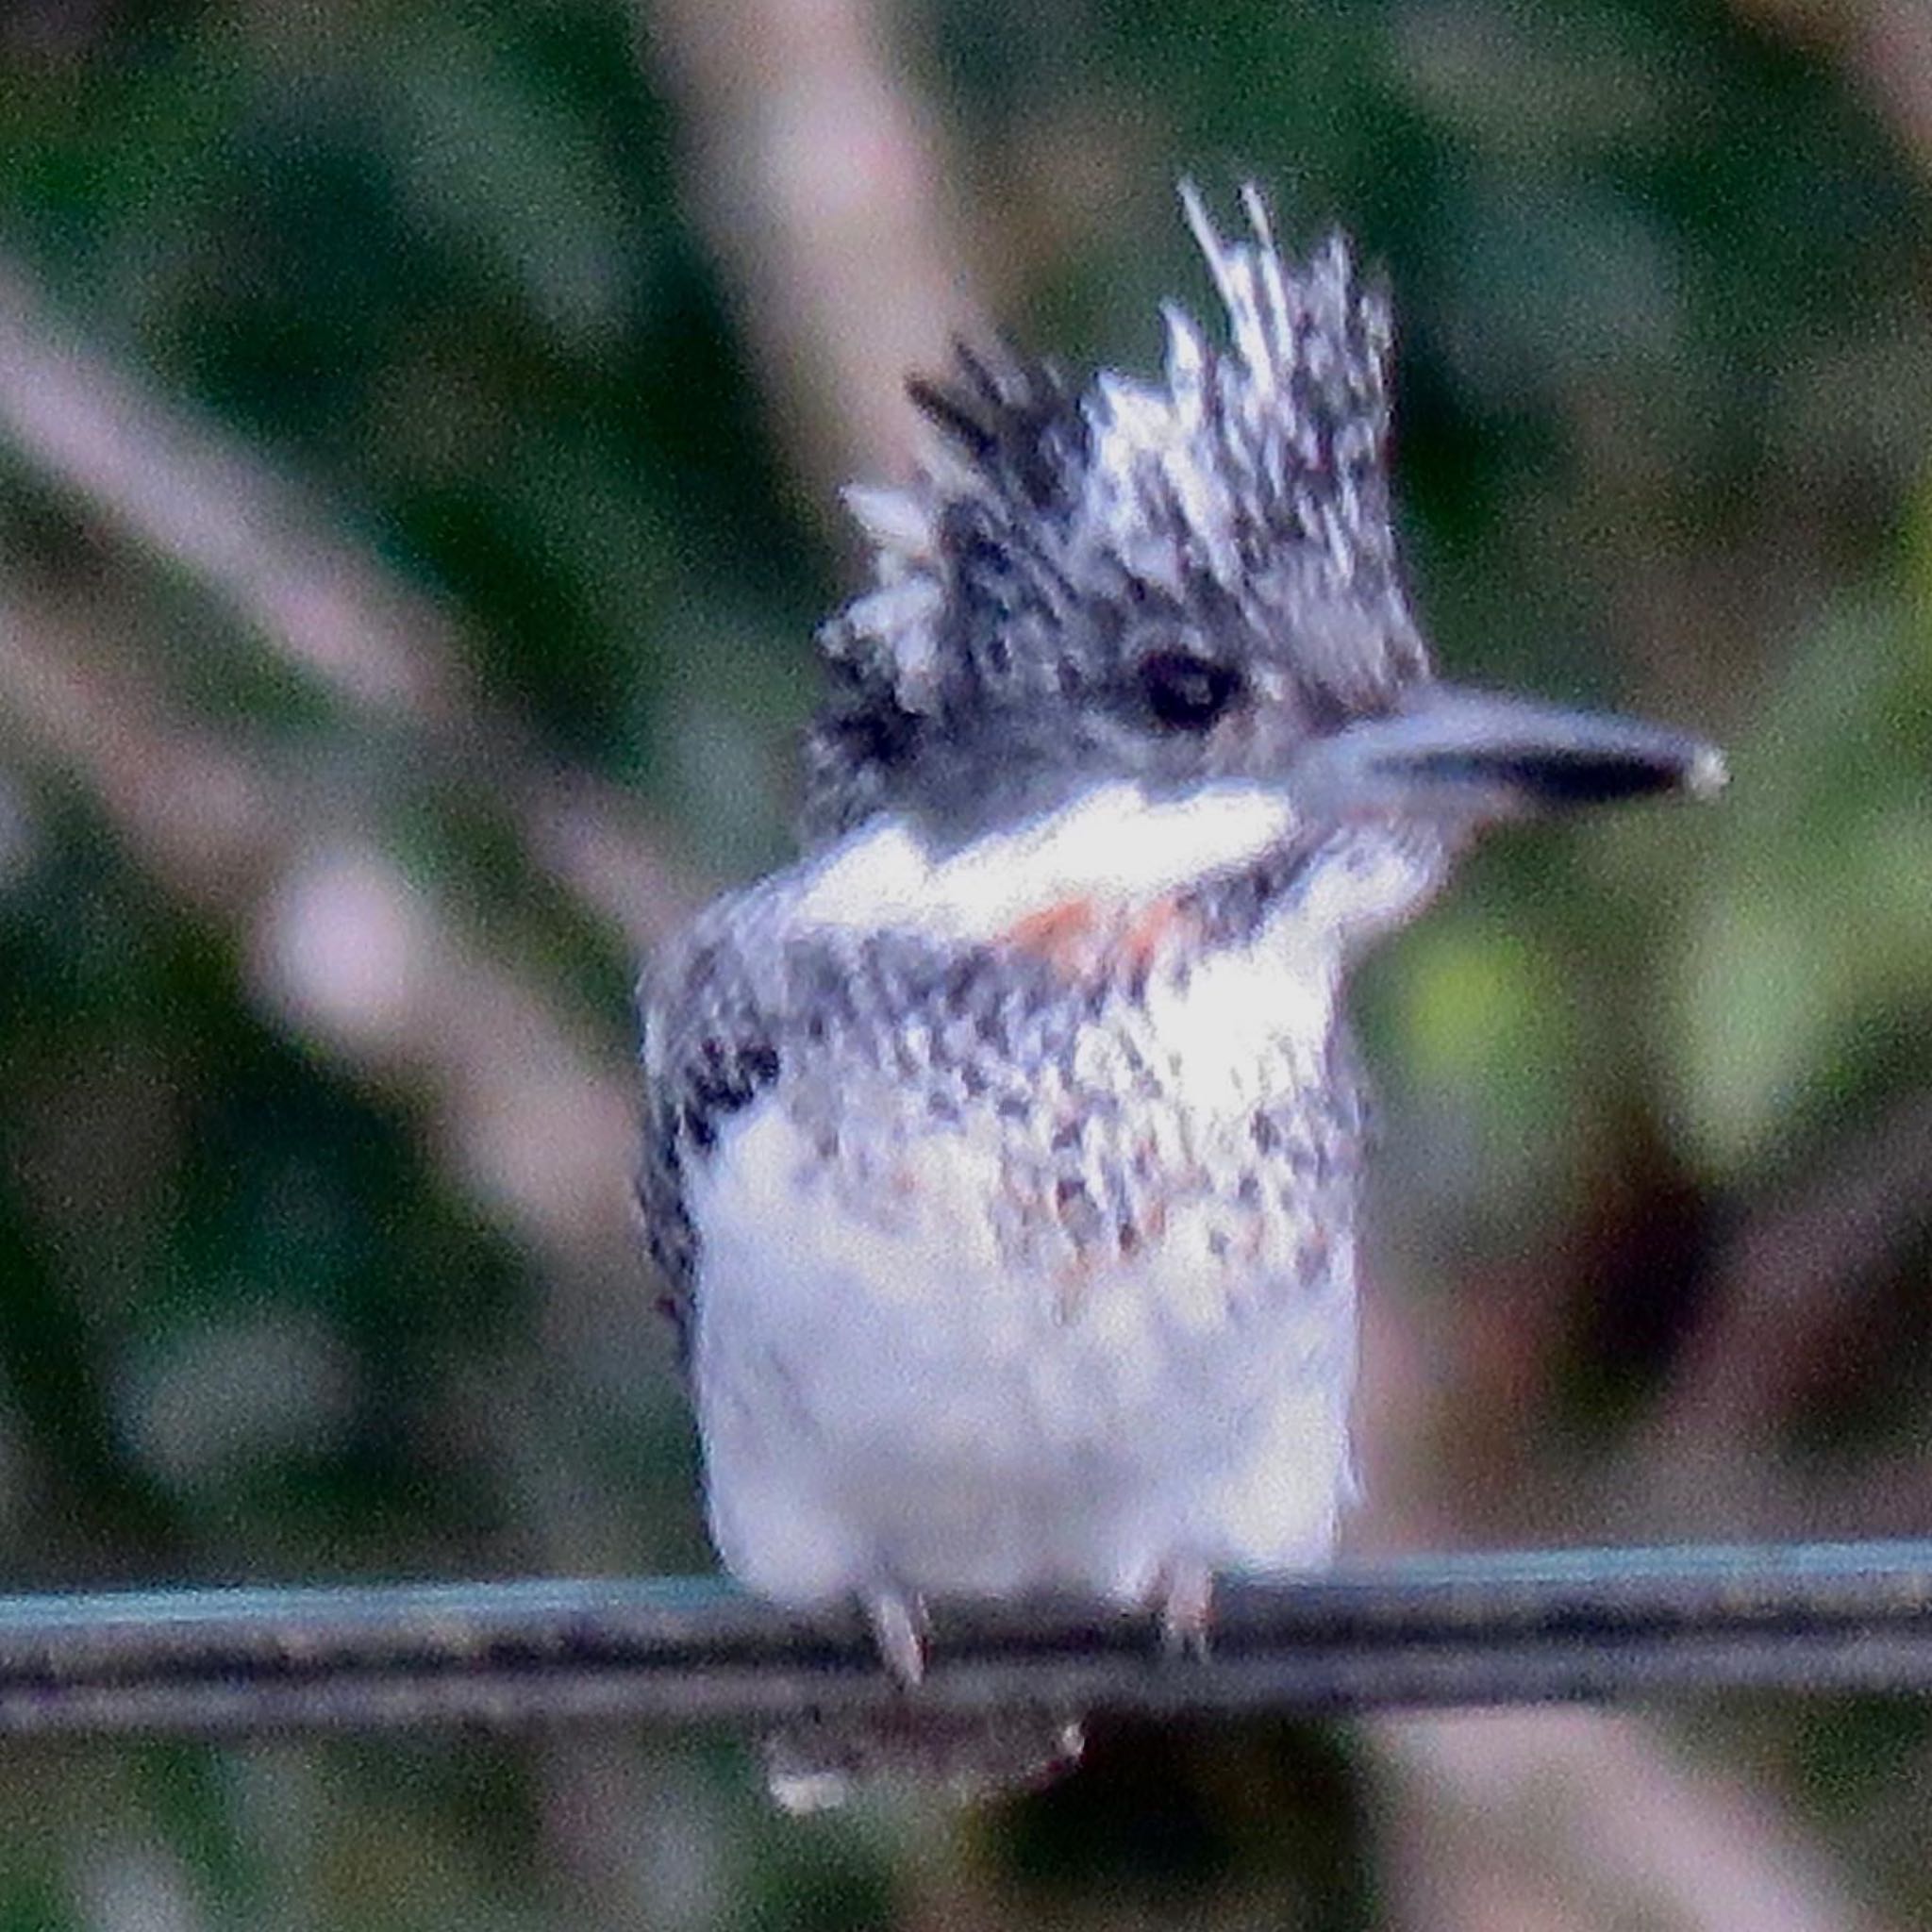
1002, 1151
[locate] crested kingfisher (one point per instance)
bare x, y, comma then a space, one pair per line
1002, 1151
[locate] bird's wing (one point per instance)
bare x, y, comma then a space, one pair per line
709, 1049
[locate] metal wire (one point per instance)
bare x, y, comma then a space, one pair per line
1581, 1626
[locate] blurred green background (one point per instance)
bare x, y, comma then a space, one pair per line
418, 431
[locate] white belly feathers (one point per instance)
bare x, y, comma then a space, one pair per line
899, 1386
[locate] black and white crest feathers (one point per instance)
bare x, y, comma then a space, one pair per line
1240, 506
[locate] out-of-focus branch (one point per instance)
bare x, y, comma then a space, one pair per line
341, 944
1502, 1813
1894, 56
1886, 46
180, 489
1492, 1820
1786, 1297
817, 175
189, 494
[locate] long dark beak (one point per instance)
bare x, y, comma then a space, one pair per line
1468, 753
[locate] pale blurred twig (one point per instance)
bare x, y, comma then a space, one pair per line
180, 489
342, 945
1787, 1294
817, 175
1505, 1813
1886, 46
189, 493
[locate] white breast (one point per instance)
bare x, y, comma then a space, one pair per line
887, 1399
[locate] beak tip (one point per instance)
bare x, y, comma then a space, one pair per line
1708, 772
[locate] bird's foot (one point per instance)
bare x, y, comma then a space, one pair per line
1185, 1593
899, 1627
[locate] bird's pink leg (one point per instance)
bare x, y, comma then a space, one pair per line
898, 1627
1185, 1593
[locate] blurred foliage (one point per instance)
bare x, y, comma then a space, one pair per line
1666, 392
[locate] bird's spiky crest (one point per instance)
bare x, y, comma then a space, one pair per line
1245, 494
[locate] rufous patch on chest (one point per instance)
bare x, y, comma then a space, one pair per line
1084, 936
1148, 930
1064, 934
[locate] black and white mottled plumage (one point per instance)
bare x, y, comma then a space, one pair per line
1002, 1153
1239, 510
1063, 553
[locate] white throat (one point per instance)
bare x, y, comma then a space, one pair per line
1114, 844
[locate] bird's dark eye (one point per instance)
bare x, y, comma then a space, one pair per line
1187, 692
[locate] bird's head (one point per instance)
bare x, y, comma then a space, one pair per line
1179, 585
